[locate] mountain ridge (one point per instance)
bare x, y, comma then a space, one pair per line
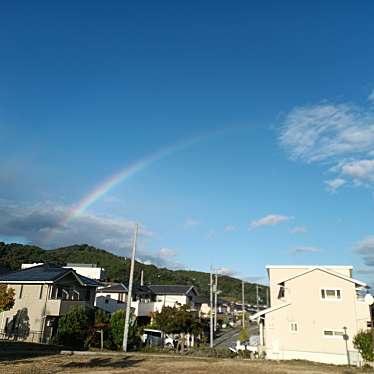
117, 267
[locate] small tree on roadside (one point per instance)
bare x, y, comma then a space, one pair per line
178, 321
6, 298
117, 323
363, 342
74, 328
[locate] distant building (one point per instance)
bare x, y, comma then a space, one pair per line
145, 299
315, 313
42, 294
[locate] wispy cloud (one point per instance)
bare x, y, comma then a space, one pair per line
167, 252
230, 228
301, 250
340, 136
269, 220
298, 230
226, 271
371, 97
191, 222
333, 184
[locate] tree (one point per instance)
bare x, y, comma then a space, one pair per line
6, 298
74, 328
117, 323
363, 342
178, 321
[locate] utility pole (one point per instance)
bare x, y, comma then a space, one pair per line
267, 297
257, 297
211, 309
215, 302
142, 278
243, 308
129, 295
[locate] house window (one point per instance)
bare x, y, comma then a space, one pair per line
107, 298
20, 292
41, 292
333, 333
120, 298
294, 327
330, 294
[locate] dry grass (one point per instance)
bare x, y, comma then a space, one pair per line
143, 363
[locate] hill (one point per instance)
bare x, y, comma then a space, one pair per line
117, 268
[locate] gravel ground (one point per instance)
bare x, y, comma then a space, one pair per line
143, 363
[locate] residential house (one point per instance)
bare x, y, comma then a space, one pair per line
315, 313
145, 299
42, 294
87, 270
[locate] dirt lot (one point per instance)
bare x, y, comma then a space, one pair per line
143, 363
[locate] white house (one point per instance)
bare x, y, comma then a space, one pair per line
315, 313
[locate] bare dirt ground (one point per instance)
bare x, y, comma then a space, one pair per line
146, 363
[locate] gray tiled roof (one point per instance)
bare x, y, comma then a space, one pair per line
43, 273
116, 288
171, 289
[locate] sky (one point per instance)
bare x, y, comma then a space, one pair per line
236, 134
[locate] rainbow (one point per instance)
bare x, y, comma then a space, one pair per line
121, 176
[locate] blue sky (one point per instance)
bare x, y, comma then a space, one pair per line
87, 89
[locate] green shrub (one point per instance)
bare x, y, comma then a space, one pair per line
363, 342
74, 328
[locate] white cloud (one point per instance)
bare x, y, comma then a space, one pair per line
230, 228
334, 184
225, 271
269, 220
298, 230
362, 170
338, 135
300, 250
191, 222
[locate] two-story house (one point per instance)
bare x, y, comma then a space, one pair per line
42, 294
145, 299
315, 313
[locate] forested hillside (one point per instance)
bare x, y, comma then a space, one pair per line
117, 267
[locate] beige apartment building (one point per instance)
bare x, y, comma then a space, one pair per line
42, 294
315, 313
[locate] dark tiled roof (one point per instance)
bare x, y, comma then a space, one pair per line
116, 288
170, 289
43, 273
142, 290
4, 271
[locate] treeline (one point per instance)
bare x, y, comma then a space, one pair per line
117, 268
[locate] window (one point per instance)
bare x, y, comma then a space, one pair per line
20, 292
293, 327
330, 294
107, 298
41, 292
333, 333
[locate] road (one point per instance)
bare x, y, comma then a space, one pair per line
228, 337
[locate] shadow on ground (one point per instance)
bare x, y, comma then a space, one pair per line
14, 351
104, 362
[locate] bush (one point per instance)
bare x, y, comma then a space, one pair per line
363, 342
74, 328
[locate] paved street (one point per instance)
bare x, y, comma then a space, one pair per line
228, 337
